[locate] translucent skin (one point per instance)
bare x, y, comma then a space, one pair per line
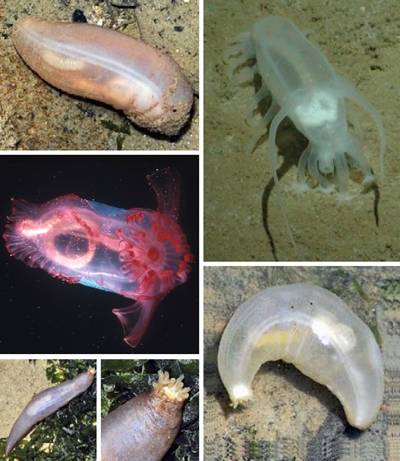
108, 66
45, 404
312, 328
306, 88
139, 254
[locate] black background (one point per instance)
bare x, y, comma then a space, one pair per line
41, 314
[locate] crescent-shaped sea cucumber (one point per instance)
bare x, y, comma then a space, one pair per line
46, 403
314, 330
145, 427
108, 66
138, 253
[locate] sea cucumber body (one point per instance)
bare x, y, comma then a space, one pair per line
300, 78
135, 253
314, 330
286, 60
145, 427
45, 404
135, 430
304, 86
138, 253
108, 66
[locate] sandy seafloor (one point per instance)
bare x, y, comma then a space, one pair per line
291, 416
35, 116
19, 381
362, 40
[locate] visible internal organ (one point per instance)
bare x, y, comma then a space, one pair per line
157, 260
140, 254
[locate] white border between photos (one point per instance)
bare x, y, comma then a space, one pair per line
302, 263
201, 229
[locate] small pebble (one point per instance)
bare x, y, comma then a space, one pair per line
125, 3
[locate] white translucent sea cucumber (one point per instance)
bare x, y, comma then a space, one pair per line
314, 330
305, 87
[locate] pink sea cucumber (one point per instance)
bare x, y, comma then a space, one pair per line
108, 66
46, 403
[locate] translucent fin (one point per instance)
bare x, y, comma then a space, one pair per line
232, 50
245, 75
259, 138
262, 93
260, 123
234, 64
251, 117
135, 320
166, 185
347, 89
271, 112
242, 44
242, 37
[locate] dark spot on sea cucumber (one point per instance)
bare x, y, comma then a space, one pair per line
178, 28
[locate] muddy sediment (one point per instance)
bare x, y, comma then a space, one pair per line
244, 210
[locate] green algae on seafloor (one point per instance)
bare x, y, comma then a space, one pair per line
360, 291
391, 289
